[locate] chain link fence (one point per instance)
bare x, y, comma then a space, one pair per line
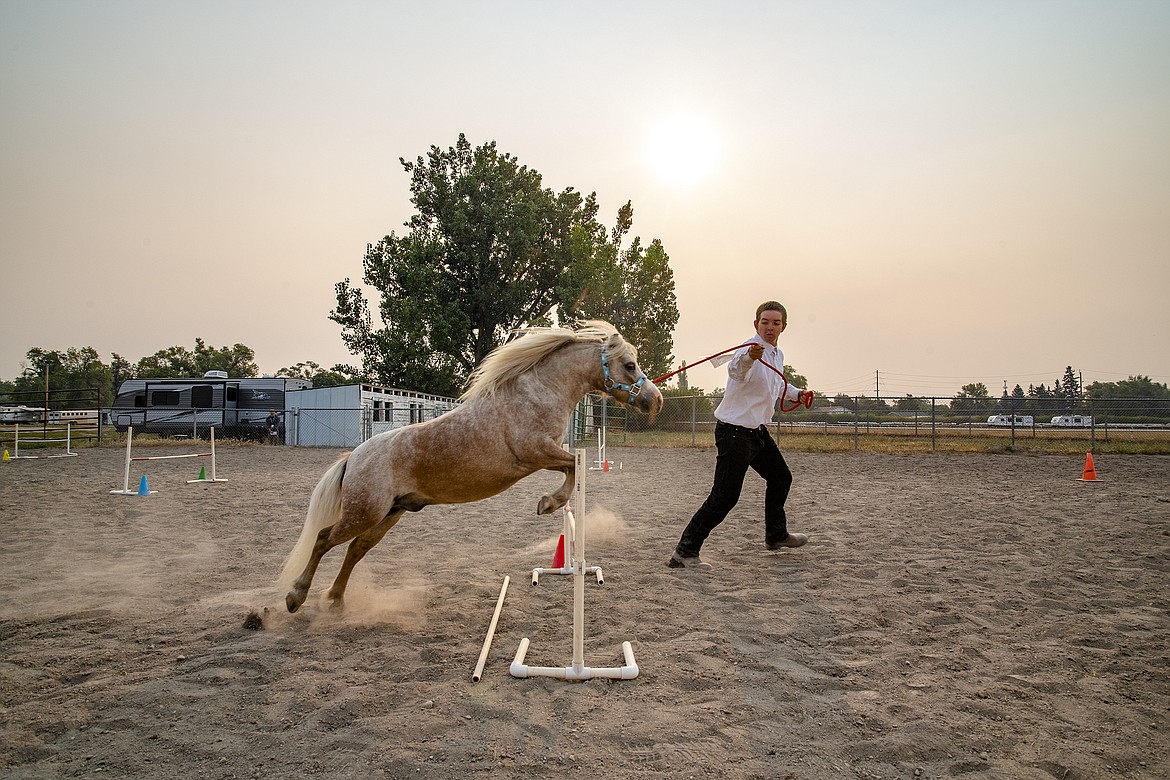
953, 424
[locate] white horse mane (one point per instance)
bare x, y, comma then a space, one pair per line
532, 345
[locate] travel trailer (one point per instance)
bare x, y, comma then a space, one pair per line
236, 408
1019, 420
1073, 421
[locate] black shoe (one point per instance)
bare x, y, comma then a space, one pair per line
677, 561
792, 540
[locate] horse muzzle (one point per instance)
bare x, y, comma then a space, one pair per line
648, 400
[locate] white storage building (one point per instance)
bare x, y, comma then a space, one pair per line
347, 415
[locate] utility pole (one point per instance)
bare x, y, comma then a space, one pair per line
877, 384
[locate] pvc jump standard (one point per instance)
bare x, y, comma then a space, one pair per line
126, 491
603, 463
576, 671
69, 453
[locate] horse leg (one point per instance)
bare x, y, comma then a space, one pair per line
300, 588
355, 552
551, 503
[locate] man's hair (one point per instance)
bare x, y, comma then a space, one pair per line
771, 306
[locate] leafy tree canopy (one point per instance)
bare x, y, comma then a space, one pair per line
490, 250
322, 377
76, 368
1133, 387
238, 361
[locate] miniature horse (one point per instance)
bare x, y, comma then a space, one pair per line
511, 424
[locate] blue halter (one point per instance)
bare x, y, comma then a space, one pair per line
611, 385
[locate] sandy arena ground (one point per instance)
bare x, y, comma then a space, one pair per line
953, 616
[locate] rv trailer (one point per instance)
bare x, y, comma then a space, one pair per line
1007, 420
1072, 421
236, 408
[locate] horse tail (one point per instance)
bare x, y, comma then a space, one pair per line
324, 511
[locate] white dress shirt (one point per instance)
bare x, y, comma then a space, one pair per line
753, 388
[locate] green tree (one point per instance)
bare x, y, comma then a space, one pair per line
972, 398
489, 250
910, 404
322, 377
1069, 390
70, 374
845, 402
633, 288
239, 361
1042, 401
1133, 387
1014, 402
169, 362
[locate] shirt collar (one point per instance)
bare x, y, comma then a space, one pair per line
758, 339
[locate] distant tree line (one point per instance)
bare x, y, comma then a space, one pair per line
1065, 396
72, 372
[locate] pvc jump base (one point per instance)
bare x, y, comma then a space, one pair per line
68, 453
126, 491
576, 671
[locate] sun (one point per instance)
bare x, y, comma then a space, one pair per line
683, 150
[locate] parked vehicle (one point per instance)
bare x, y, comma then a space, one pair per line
236, 408
22, 414
1073, 421
1019, 420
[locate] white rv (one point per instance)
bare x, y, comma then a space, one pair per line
1073, 421
1008, 420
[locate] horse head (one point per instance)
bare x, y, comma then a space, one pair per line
624, 380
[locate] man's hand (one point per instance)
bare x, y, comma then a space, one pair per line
755, 352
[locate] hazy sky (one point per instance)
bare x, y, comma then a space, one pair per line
942, 192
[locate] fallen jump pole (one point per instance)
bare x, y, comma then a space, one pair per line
487, 642
126, 491
577, 671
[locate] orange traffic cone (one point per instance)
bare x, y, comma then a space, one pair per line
605, 465
1090, 474
559, 555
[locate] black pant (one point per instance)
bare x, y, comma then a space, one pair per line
738, 449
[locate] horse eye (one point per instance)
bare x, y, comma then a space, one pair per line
631, 367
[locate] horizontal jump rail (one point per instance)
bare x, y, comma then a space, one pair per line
169, 457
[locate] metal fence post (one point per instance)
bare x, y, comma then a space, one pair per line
933, 426
1092, 428
1012, 412
856, 423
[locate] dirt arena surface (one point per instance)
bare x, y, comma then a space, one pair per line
952, 616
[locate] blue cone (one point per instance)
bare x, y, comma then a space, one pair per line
143, 490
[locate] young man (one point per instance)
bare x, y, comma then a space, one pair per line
742, 440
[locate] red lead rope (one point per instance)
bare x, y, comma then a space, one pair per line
808, 395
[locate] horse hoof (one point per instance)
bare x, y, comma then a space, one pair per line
337, 604
547, 506
292, 602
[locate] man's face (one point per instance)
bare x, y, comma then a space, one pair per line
770, 325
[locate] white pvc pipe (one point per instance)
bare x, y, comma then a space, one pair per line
577, 670
125, 491
69, 453
487, 642
575, 673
